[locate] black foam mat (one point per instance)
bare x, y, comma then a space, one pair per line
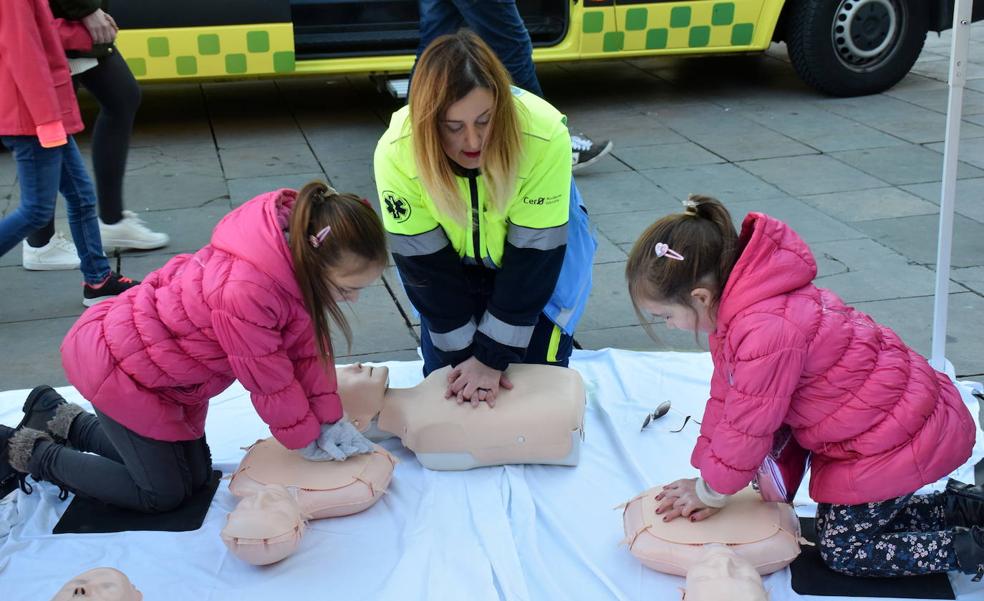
88, 516
811, 576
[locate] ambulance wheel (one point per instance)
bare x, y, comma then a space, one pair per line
855, 47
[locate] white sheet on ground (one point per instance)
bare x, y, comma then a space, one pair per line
515, 533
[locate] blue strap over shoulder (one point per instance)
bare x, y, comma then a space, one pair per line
570, 297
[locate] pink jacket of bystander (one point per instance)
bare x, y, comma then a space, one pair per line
35, 83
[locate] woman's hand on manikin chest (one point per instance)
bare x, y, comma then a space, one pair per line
473, 381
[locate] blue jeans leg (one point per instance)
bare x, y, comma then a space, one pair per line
497, 22
38, 171
80, 202
437, 17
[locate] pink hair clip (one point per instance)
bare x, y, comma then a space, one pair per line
318, 238
663, 250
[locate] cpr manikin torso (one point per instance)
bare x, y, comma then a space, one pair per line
100, 584
323, 489
766, 535
280, 489
539, 421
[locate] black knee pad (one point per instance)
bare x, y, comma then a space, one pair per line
164, 500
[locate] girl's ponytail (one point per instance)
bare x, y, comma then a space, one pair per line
711, 209
326, 228
697, 248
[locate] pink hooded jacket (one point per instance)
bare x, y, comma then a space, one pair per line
35, 82
153, 357
879, 421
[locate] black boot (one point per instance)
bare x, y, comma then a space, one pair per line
40, 407
10, 479
969, 546
963, 504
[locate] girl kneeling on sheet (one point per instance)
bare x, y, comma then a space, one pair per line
879, 422
250, 306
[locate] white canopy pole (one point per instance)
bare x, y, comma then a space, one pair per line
959, 52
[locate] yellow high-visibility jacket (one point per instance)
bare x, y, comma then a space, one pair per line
525, 245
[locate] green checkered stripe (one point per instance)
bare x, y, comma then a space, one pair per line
208, 52
665, 26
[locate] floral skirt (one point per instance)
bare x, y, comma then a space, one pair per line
899, 537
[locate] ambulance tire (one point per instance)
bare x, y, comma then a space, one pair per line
855, 47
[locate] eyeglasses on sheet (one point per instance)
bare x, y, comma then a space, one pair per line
659, 412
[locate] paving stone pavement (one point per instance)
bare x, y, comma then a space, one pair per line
859, 178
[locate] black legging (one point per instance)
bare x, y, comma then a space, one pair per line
108, 462
118, 94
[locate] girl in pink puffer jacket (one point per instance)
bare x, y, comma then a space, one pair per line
878, 421
251, 305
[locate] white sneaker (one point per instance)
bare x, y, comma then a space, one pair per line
58, 253
130, 232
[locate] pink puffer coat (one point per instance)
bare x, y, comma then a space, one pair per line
879, 421
153, 357
35, 82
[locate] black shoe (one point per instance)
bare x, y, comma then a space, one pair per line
40, 407
114, 285
10, 479
963, 505
968, 543
585, 151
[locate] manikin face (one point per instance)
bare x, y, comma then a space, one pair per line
721, 574
358, 382
268, 508
100, 584
464, 128
350, 276
681, 317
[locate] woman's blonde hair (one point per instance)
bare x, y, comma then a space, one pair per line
355, 231
447, 71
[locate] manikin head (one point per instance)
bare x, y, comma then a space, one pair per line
100, 584
266, 526
269, 510
720, 574
362, 388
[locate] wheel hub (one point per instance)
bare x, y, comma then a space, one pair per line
865, 31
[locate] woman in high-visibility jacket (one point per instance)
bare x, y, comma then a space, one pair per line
486, 227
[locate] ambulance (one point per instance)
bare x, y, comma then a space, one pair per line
840, 47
